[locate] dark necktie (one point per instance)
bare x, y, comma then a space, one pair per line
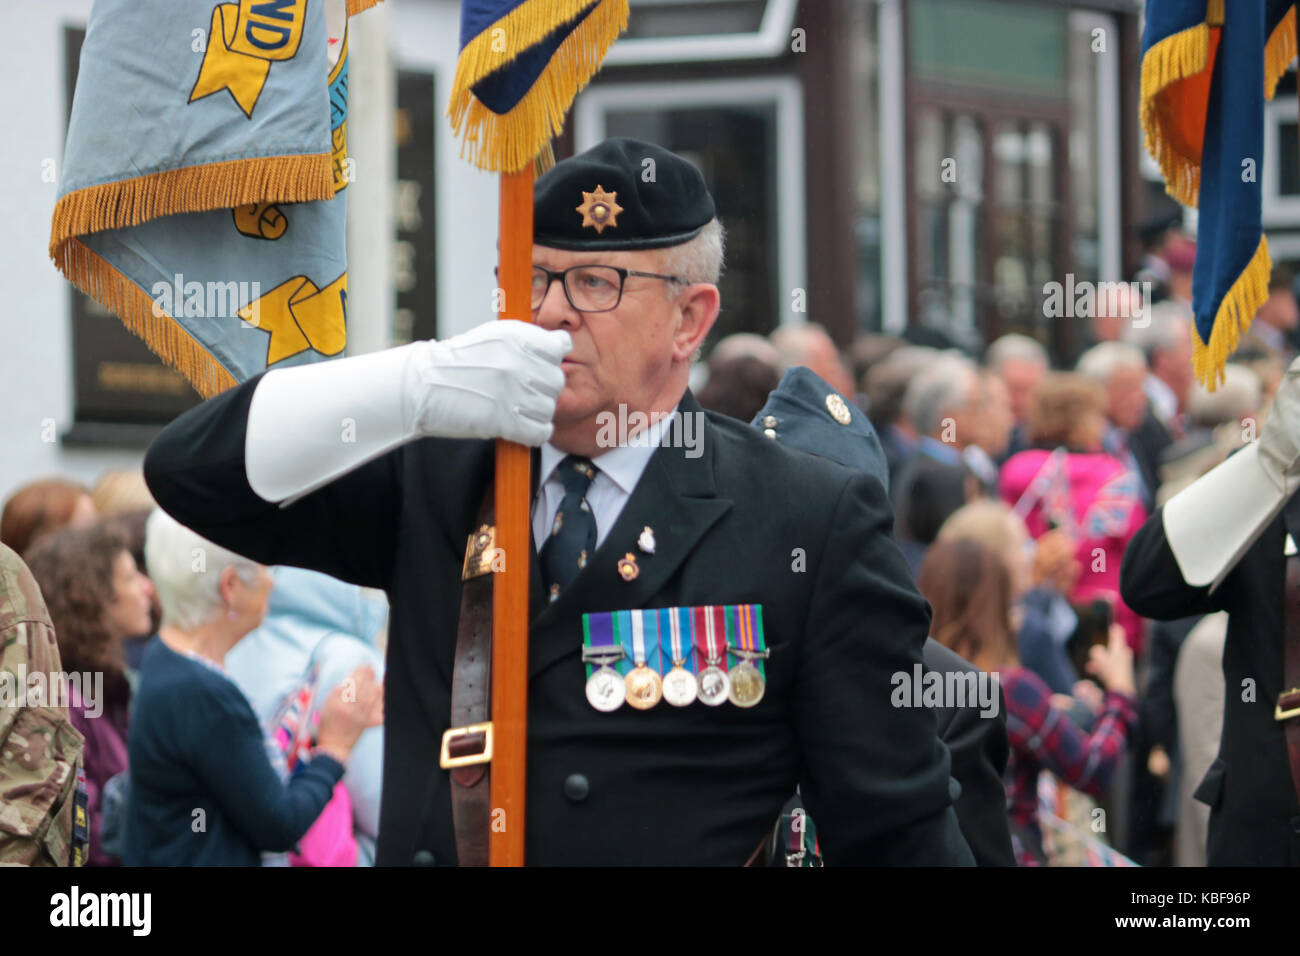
573, 532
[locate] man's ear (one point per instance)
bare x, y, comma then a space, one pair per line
226, 583
698, 307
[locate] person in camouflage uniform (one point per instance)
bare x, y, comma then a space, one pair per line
43, 818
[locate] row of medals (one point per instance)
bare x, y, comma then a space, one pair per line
643, 688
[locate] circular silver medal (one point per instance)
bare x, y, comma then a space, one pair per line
606, 690
680, 687
714, 685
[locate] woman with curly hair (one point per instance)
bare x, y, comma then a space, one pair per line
97, 599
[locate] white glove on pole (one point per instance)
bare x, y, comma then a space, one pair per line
1212, 522
313, 423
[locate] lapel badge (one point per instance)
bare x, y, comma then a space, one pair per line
646, 542
599, 209
838, 409
627, 567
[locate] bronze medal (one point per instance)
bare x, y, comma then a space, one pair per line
643, 687
680, 686
747, 685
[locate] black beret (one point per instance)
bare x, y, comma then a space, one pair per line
806, 413
621, 194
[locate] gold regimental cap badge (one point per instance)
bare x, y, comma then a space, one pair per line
599, 209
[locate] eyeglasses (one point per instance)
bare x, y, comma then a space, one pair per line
589, 288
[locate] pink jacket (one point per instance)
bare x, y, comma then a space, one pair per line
1097, 499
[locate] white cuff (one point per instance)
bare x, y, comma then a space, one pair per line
1213, 521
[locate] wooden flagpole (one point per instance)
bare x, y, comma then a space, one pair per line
510, 587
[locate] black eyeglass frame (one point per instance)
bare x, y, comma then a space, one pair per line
552, 275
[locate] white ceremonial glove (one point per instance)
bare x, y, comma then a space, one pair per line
499, 380
1279, 442
311, 424
1212, 522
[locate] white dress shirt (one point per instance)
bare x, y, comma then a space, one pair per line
617, 472
1163, 400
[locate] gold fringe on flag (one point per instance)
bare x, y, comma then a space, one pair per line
1233, 319
358, 6
1184, 55
129, 202
165, 336
508, 143
1279, 52
1175, 58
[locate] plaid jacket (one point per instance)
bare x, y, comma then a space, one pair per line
1044, 738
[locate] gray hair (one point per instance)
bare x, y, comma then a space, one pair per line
746, 344
1236, 397
1102, 361
186, 571
796, 343
934, 392
696, 260
1168, 329
1014, 347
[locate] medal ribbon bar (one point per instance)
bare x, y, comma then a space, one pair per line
600, 645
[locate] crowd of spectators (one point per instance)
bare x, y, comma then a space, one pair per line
1016, 482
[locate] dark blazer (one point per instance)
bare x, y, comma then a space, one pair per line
1254, 816
979, 749
928, 492
746, 521
1148, 443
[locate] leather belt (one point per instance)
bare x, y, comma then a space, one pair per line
467, 745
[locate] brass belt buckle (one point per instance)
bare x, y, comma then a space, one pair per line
480, 553
1290, 700
461, 739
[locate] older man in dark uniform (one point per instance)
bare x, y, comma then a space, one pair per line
1227, 543
373, 469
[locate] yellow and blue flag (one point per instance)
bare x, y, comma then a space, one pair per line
203, 192
521, 64
1207, 67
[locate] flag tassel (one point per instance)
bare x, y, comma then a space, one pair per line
129, 202
1279, 52
508, 143
165, 337
1173, 59
1233, 318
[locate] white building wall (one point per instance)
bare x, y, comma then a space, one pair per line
36, 387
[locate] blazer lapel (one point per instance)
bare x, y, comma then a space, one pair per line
676, 498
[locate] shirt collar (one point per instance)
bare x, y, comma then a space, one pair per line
1272, 336
940, 451
1162, 398
622, 464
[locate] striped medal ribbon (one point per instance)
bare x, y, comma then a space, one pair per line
745, 628
710, 627
644, 688
606, 689
680, 686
